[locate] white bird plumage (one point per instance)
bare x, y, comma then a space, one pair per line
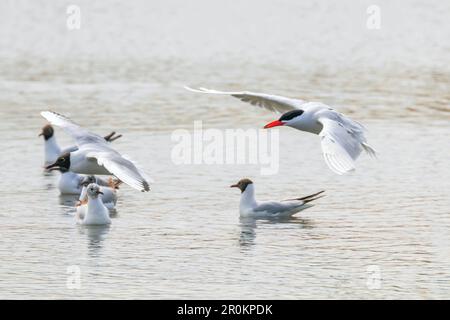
53, 150
342, 139
95, 213
95, 155
250, 207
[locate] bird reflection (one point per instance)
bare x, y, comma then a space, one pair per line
68, 200
248, 233
249, 225
95, 235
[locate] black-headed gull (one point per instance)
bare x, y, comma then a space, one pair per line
95, 156
96, 213
342, 138
250, 207
53, 150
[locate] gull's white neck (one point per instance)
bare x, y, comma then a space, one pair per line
248, 200
52, 150
95, 206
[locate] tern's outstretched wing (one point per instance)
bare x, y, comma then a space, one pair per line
266, 101
341, 144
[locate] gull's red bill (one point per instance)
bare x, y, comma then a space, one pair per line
272, 124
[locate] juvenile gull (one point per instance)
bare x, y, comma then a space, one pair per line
96, 213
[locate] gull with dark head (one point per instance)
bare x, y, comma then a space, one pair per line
95, 156
250, 207
53, 150
342, 138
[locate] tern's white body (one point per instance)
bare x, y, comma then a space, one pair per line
70, 183
250, 207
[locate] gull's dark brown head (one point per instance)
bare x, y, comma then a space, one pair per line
47, 132
62, 162
242, 184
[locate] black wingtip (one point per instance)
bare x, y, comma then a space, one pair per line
312, 199
146, 186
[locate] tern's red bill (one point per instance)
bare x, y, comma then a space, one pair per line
272, 124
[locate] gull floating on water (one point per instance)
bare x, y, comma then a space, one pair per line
342, 138
250, 207
69, 182
96, 213
108, 194
95, 156
53, 150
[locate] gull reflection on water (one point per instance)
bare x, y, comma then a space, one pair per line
249, 225
95, 236
68, 200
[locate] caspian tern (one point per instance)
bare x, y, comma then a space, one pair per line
95, 156
53, 150
249, 207
342, 138
96, 213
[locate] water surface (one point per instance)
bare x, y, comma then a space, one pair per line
123, 70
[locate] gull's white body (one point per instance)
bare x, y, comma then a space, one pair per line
95, 213
342, 138
52, 150
250, 207
82, 209
69, 183
81, 163
95, 156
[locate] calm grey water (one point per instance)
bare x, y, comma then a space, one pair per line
124, 69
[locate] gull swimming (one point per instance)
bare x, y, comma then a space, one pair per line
96, 213
342, 138
69, 182
95, 156
108, 195
53, 150
250, 207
